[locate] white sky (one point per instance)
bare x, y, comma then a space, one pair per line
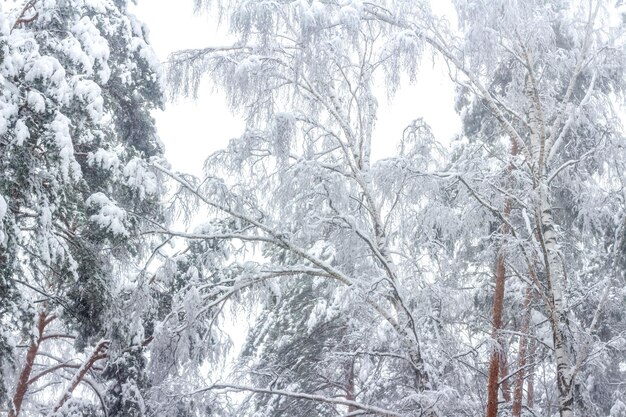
192, 130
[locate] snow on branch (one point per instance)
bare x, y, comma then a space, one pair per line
299, 395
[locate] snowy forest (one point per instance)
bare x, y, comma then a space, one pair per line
304, 274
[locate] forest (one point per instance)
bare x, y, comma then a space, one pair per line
303, 274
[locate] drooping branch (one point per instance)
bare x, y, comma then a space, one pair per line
554, 146
278, 238
482, 91
409, 336
556, 129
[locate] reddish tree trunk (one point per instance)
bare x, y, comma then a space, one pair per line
494, 363
530, 387
31, 354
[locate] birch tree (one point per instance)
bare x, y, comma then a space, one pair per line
331, 225
540, 89
544, 107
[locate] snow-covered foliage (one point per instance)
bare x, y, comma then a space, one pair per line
77, 83
364, 286
374, 277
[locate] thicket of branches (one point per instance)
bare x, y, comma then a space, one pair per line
478, 275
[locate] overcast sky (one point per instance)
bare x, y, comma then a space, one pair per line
192, 130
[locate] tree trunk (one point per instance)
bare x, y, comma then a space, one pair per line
530, 383
350, 389
564, 379
505, 386
558, 313
31, 354
495, 362
522, 356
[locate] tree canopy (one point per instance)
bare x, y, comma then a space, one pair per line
459, 276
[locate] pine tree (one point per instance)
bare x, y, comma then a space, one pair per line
78, 81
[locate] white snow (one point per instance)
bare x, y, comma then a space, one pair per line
109, 217
104, 159
61, 128
140, 178
7, 112
3, 207
36, 101
21, 132
146, 52
90, 93
46, 68
317, 314
618, 409
95, 46
3, 212
71, 47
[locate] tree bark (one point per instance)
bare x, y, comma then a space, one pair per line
530, 383
505, 386
31, 354
558, 312
494, 363
522, 356
497, 355
350, 389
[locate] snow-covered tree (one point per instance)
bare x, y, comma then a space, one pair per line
77, 83
542, 76
397, 255
339, 236
366, 285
